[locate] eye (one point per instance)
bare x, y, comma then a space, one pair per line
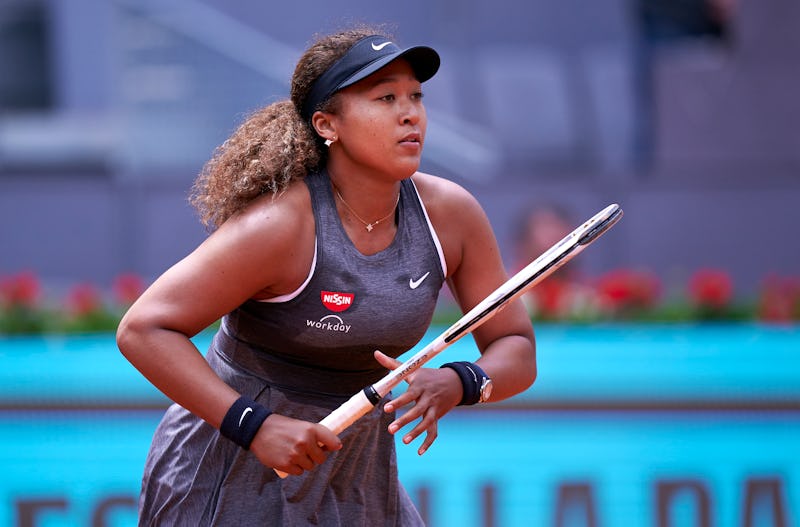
388, 98
417, 96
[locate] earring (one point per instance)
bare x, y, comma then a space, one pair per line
329, 142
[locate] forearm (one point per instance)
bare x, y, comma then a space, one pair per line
510, 362
171, 362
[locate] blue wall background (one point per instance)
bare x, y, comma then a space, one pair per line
624, 421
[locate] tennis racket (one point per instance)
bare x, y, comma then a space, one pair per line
536, 271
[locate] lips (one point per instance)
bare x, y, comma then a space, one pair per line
413, 137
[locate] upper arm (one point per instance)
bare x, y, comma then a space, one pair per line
247, 255
474, 262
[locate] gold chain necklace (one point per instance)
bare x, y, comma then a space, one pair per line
369, 226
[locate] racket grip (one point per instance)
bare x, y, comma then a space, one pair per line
348, 413
341, 418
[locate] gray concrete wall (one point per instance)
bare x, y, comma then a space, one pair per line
540, 92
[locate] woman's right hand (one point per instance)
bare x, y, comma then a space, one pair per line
292, 445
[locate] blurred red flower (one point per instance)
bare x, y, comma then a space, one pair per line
550, 299
22, 290
711, 288
83, 299
627, 289
779, 299
127, 288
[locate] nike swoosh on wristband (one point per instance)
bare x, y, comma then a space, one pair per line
380, 46
413, 284
246, 410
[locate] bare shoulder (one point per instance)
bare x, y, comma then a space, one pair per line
456, 215
272, 239
278, 217
444, 198
264, 250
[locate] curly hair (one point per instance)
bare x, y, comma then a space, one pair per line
274, 146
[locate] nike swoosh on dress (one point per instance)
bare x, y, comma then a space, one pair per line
413, 284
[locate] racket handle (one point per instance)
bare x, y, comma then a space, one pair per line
348, 413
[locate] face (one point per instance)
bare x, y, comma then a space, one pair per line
380, 122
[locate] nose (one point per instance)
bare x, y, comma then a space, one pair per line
411, 112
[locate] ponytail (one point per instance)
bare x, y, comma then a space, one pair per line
271, 148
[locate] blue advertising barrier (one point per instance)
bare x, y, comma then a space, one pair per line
626, 425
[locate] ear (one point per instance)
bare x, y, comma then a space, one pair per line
323, 125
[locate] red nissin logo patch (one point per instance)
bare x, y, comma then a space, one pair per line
337, 301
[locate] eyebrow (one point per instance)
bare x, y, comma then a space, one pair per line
383, 80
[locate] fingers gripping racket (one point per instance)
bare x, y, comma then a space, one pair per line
542, 267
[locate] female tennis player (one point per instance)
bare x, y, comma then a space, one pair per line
326, 245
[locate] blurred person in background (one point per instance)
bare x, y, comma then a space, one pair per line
326, 244
538, 229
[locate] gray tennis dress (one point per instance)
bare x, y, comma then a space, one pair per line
303, 355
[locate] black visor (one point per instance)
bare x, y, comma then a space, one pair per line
367, 56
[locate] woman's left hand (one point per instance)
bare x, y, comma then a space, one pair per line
433, 392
